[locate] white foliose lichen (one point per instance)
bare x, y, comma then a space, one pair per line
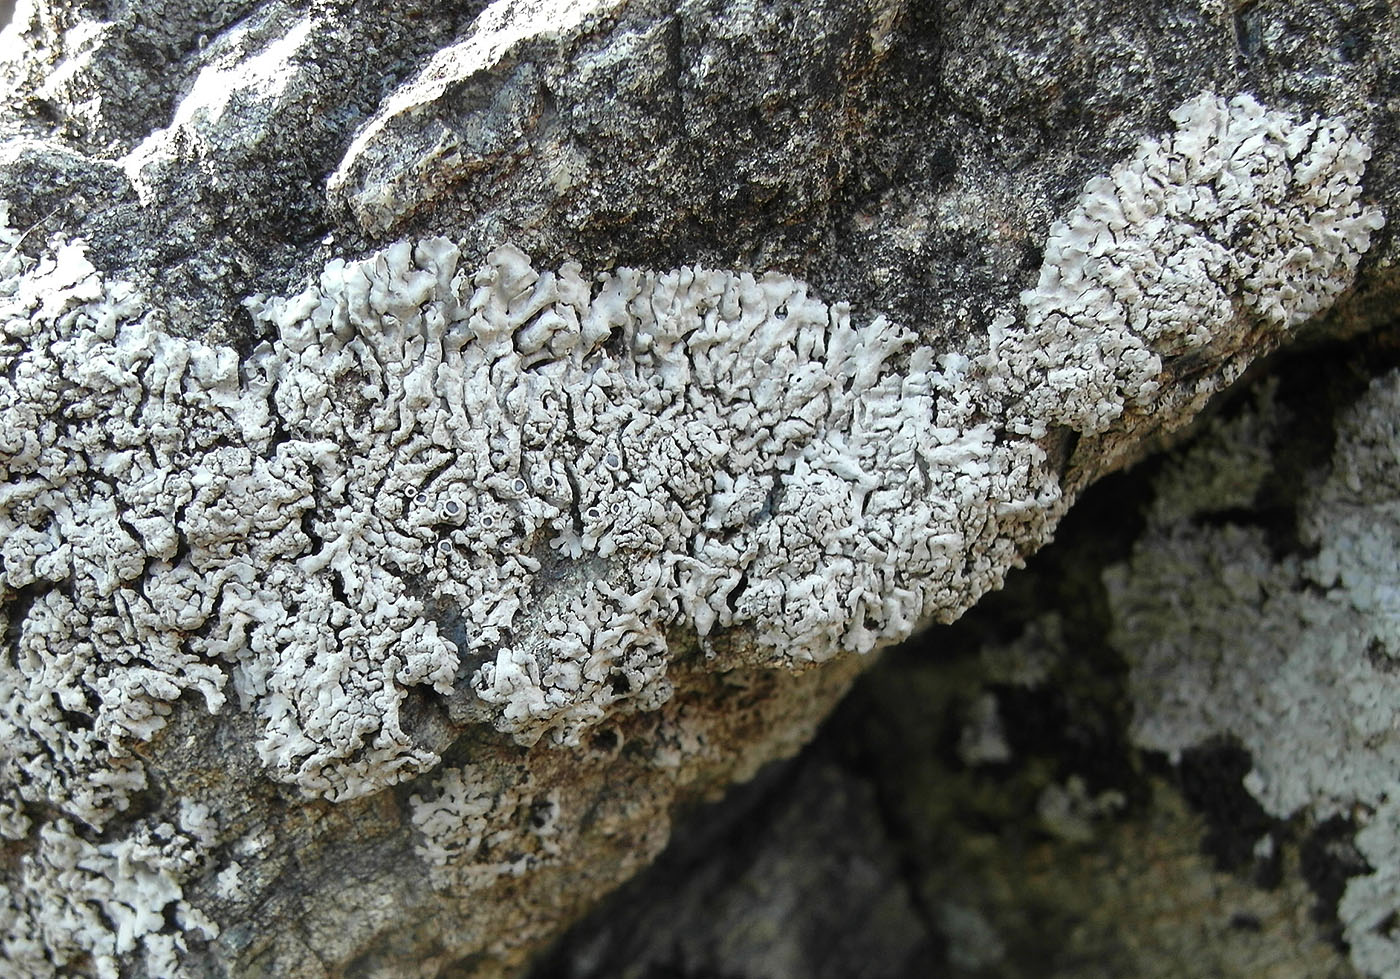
520, 482
724, 449
1239, 205
476, 828
1297, 658
84, 905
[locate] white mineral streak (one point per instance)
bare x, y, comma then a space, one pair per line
523, 480
1297, 659
404, 155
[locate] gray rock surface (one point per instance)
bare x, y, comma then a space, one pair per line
374, 595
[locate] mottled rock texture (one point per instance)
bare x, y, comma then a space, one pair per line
374, 593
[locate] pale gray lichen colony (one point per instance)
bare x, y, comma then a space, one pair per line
1227, 639
523, 482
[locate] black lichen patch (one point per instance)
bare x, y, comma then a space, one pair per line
1249, 29
1211, 779
1328, 858
1244, 921
1314, 387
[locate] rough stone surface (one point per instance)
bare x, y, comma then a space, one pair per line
373, 593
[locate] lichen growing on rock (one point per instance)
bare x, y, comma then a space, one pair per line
1292, 655
475, 828
1238, 205
515, 486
